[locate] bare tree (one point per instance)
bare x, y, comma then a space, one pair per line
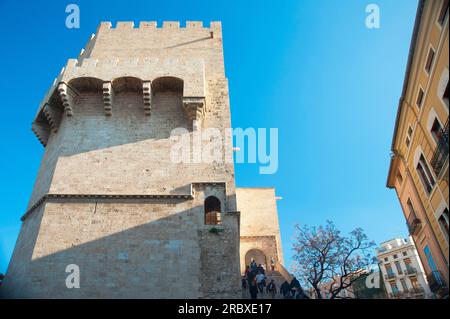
326, 260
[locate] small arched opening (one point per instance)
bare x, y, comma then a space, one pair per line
86, 84
167, 84
128, 84
212, 211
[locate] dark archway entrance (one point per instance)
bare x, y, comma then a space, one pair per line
258, 256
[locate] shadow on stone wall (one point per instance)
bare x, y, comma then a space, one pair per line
175, 256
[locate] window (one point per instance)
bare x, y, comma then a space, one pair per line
395, 256
443, 221
404, 253
389, 270
445, 95
430, 59
425, 174
386, 259
415, 283
408, 137
212, 211
412, 212
399, 267
436, 130
399, 177
394, 288
404, 285
430, 259
419, 98
408, 263
443, 13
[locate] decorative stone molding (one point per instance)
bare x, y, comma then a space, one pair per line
48, 197
147, 93
271, 237
53, 116
108, 97
67, 95
194, 107
42, 132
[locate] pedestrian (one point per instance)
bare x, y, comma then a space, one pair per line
285, 289
260, 278
261, 269
253, 266
271, 289
252, 286
295, 284
244, 282
272, 263
296, 289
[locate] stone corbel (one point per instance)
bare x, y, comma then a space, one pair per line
147, 94
194, 107
67, 95
53, 116
42, 132
108, 97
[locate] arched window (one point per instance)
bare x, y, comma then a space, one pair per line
212, 211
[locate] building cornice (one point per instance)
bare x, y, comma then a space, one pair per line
55, 196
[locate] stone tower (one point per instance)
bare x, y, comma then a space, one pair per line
108, 197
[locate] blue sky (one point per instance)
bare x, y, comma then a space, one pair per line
310, 68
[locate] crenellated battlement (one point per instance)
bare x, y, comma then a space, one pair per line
120, 25
148, 51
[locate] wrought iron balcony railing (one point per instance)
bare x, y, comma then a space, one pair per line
440, 154
416, 291
389, 275
413, 224
435, 281
411, 270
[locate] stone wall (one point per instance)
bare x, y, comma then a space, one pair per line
158, 248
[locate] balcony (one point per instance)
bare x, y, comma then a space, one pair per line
417, 291
440, 155
414, 224
389, 275
411, 271
436, 283
395, 295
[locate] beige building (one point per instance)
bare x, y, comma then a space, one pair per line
402, 272
419, 165
259, 229
111, 201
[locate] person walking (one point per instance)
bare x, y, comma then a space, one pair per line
296, 290
271, 289
244, 282
260, 282
261, 269
252, 286
285, 289
272, 263
253, 266
295, 284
